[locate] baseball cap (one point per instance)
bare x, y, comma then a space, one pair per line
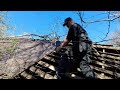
67, 20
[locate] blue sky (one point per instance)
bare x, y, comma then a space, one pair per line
42, 22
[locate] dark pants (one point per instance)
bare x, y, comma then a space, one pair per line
71, 61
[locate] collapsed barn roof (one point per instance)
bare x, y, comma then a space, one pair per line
37, 59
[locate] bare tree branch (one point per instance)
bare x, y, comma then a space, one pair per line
103, 20
111, 16
109, 19
107, 40
108, 25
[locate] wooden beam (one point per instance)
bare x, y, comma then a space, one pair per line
102, 76
108, 66
106, 47
104, 59
108, 53
108, 56
24, 74
104, 71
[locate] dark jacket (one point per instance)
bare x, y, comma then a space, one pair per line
79, 37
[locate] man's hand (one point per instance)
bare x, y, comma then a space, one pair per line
62, 45
65, 43
58, 49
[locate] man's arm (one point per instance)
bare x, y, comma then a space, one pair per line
62, 45
66, 41
68, 38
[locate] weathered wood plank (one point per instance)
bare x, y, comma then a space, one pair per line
108, 56
106, 72
24, 74
101, 76
106, 47
108, 67
108, 53
94, 58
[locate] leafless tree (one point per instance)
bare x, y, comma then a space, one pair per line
55, 29
3, 23
109, 17
115, 38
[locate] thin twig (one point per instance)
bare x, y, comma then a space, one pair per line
108, 26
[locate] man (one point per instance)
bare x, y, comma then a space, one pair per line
80, 50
